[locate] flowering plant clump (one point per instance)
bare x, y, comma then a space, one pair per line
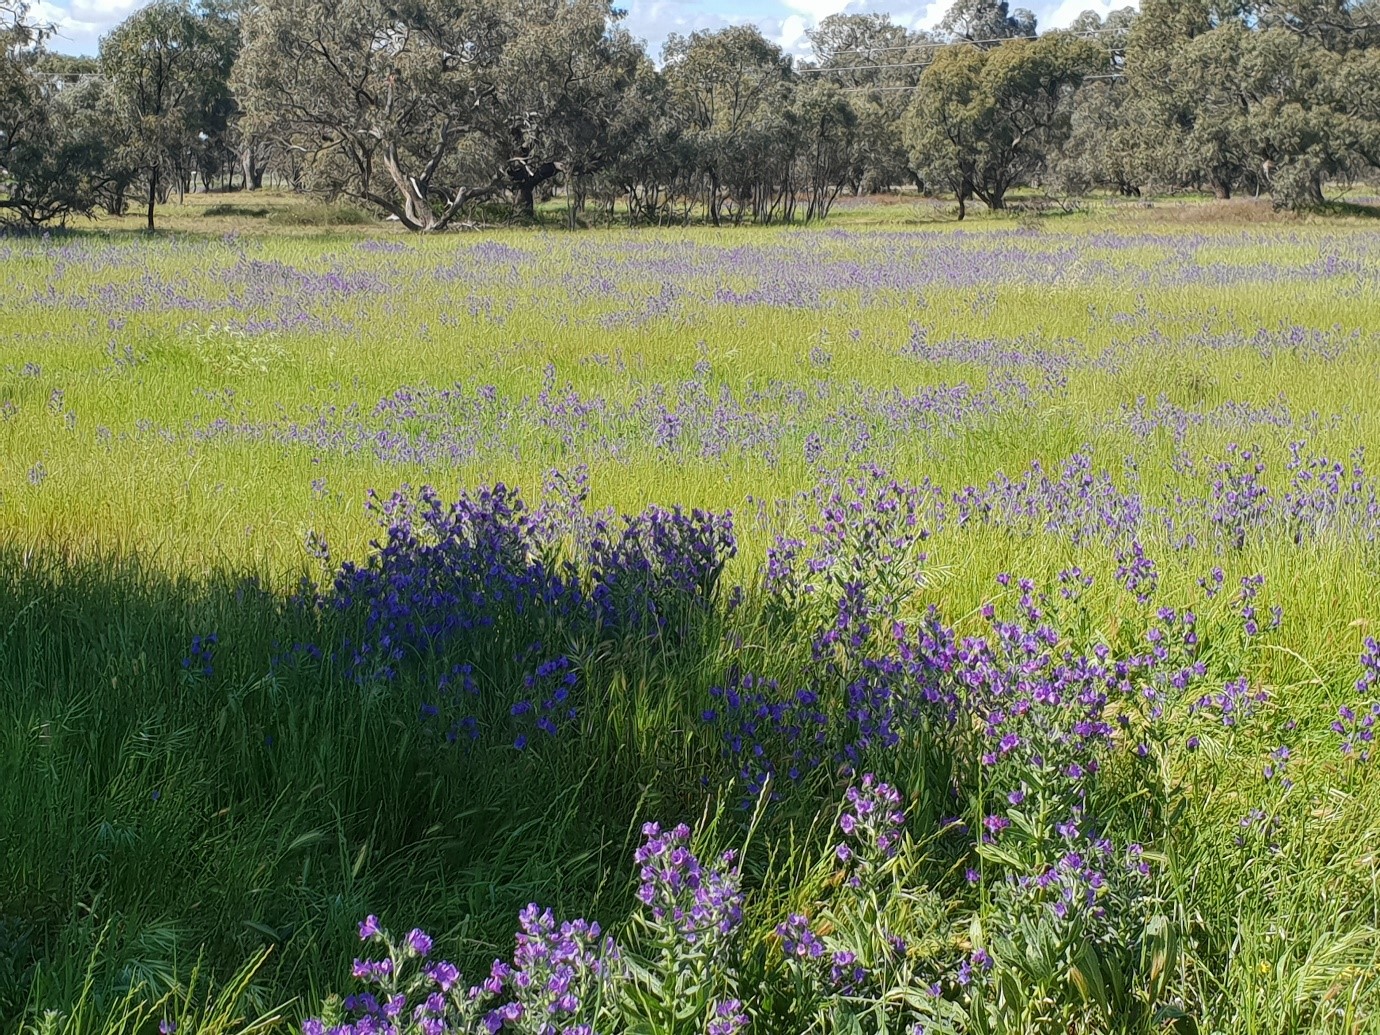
695, 906
871, 823
555, 985
660, 569
443, 573
856, 957
1018, 733
688, 934
768, 738
1239, 500
1355, 724
199, 662
408, 992
548, 700
864, 557
558, 979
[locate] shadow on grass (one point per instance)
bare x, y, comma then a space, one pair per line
1351, 209
185, 783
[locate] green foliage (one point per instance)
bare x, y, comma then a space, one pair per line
984, 120
168, 66
441, 115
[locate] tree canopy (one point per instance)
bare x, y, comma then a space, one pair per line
421, 109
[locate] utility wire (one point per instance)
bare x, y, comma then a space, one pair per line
959, 41
889, 89
862, 68
69, 77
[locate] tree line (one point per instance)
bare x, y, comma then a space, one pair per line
424, 109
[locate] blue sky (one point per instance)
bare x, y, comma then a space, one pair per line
81, 22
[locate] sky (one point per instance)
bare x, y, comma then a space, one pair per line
82, 22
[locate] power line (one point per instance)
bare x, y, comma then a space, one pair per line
889, 89
866, 68
959, 41
69, 77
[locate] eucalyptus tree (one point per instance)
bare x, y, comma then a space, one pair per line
1337, 25
420, 106
878, 64
1187, 136
656, 168
376, 97
1277, 96
23, 115
1102, 148
19, 43
167, 70
557, 107
985, 120
731, 90
986, 21
827, 127
55, 151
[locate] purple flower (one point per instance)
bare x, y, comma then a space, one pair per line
418, 942
443, 973
369, 928
797, 939
703, 905
729, 1018
872, 818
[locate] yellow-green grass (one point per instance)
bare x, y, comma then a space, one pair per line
123, 533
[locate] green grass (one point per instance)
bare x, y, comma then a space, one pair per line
166, 839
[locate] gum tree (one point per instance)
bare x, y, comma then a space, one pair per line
422, 106
166, 66
376, 98
731, 92
55, 158
984, 120
877, 64
986, 20
557, 107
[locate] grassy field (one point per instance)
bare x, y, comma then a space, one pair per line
1064, 528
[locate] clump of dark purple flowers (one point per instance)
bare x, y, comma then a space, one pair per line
555, 985
766, 735
199, 661
445, 572
661, 564
1355, 724
1239, 502
548, 701
407, 991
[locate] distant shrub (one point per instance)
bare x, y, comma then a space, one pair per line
240, 211
321, 213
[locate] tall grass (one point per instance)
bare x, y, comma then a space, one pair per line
176, 422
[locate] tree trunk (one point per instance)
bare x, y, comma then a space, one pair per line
250, 167
526, 200
1221, 190
153, 192
962, 206
416, 207
1315, 190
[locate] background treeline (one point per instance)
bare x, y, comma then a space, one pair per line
424, 109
